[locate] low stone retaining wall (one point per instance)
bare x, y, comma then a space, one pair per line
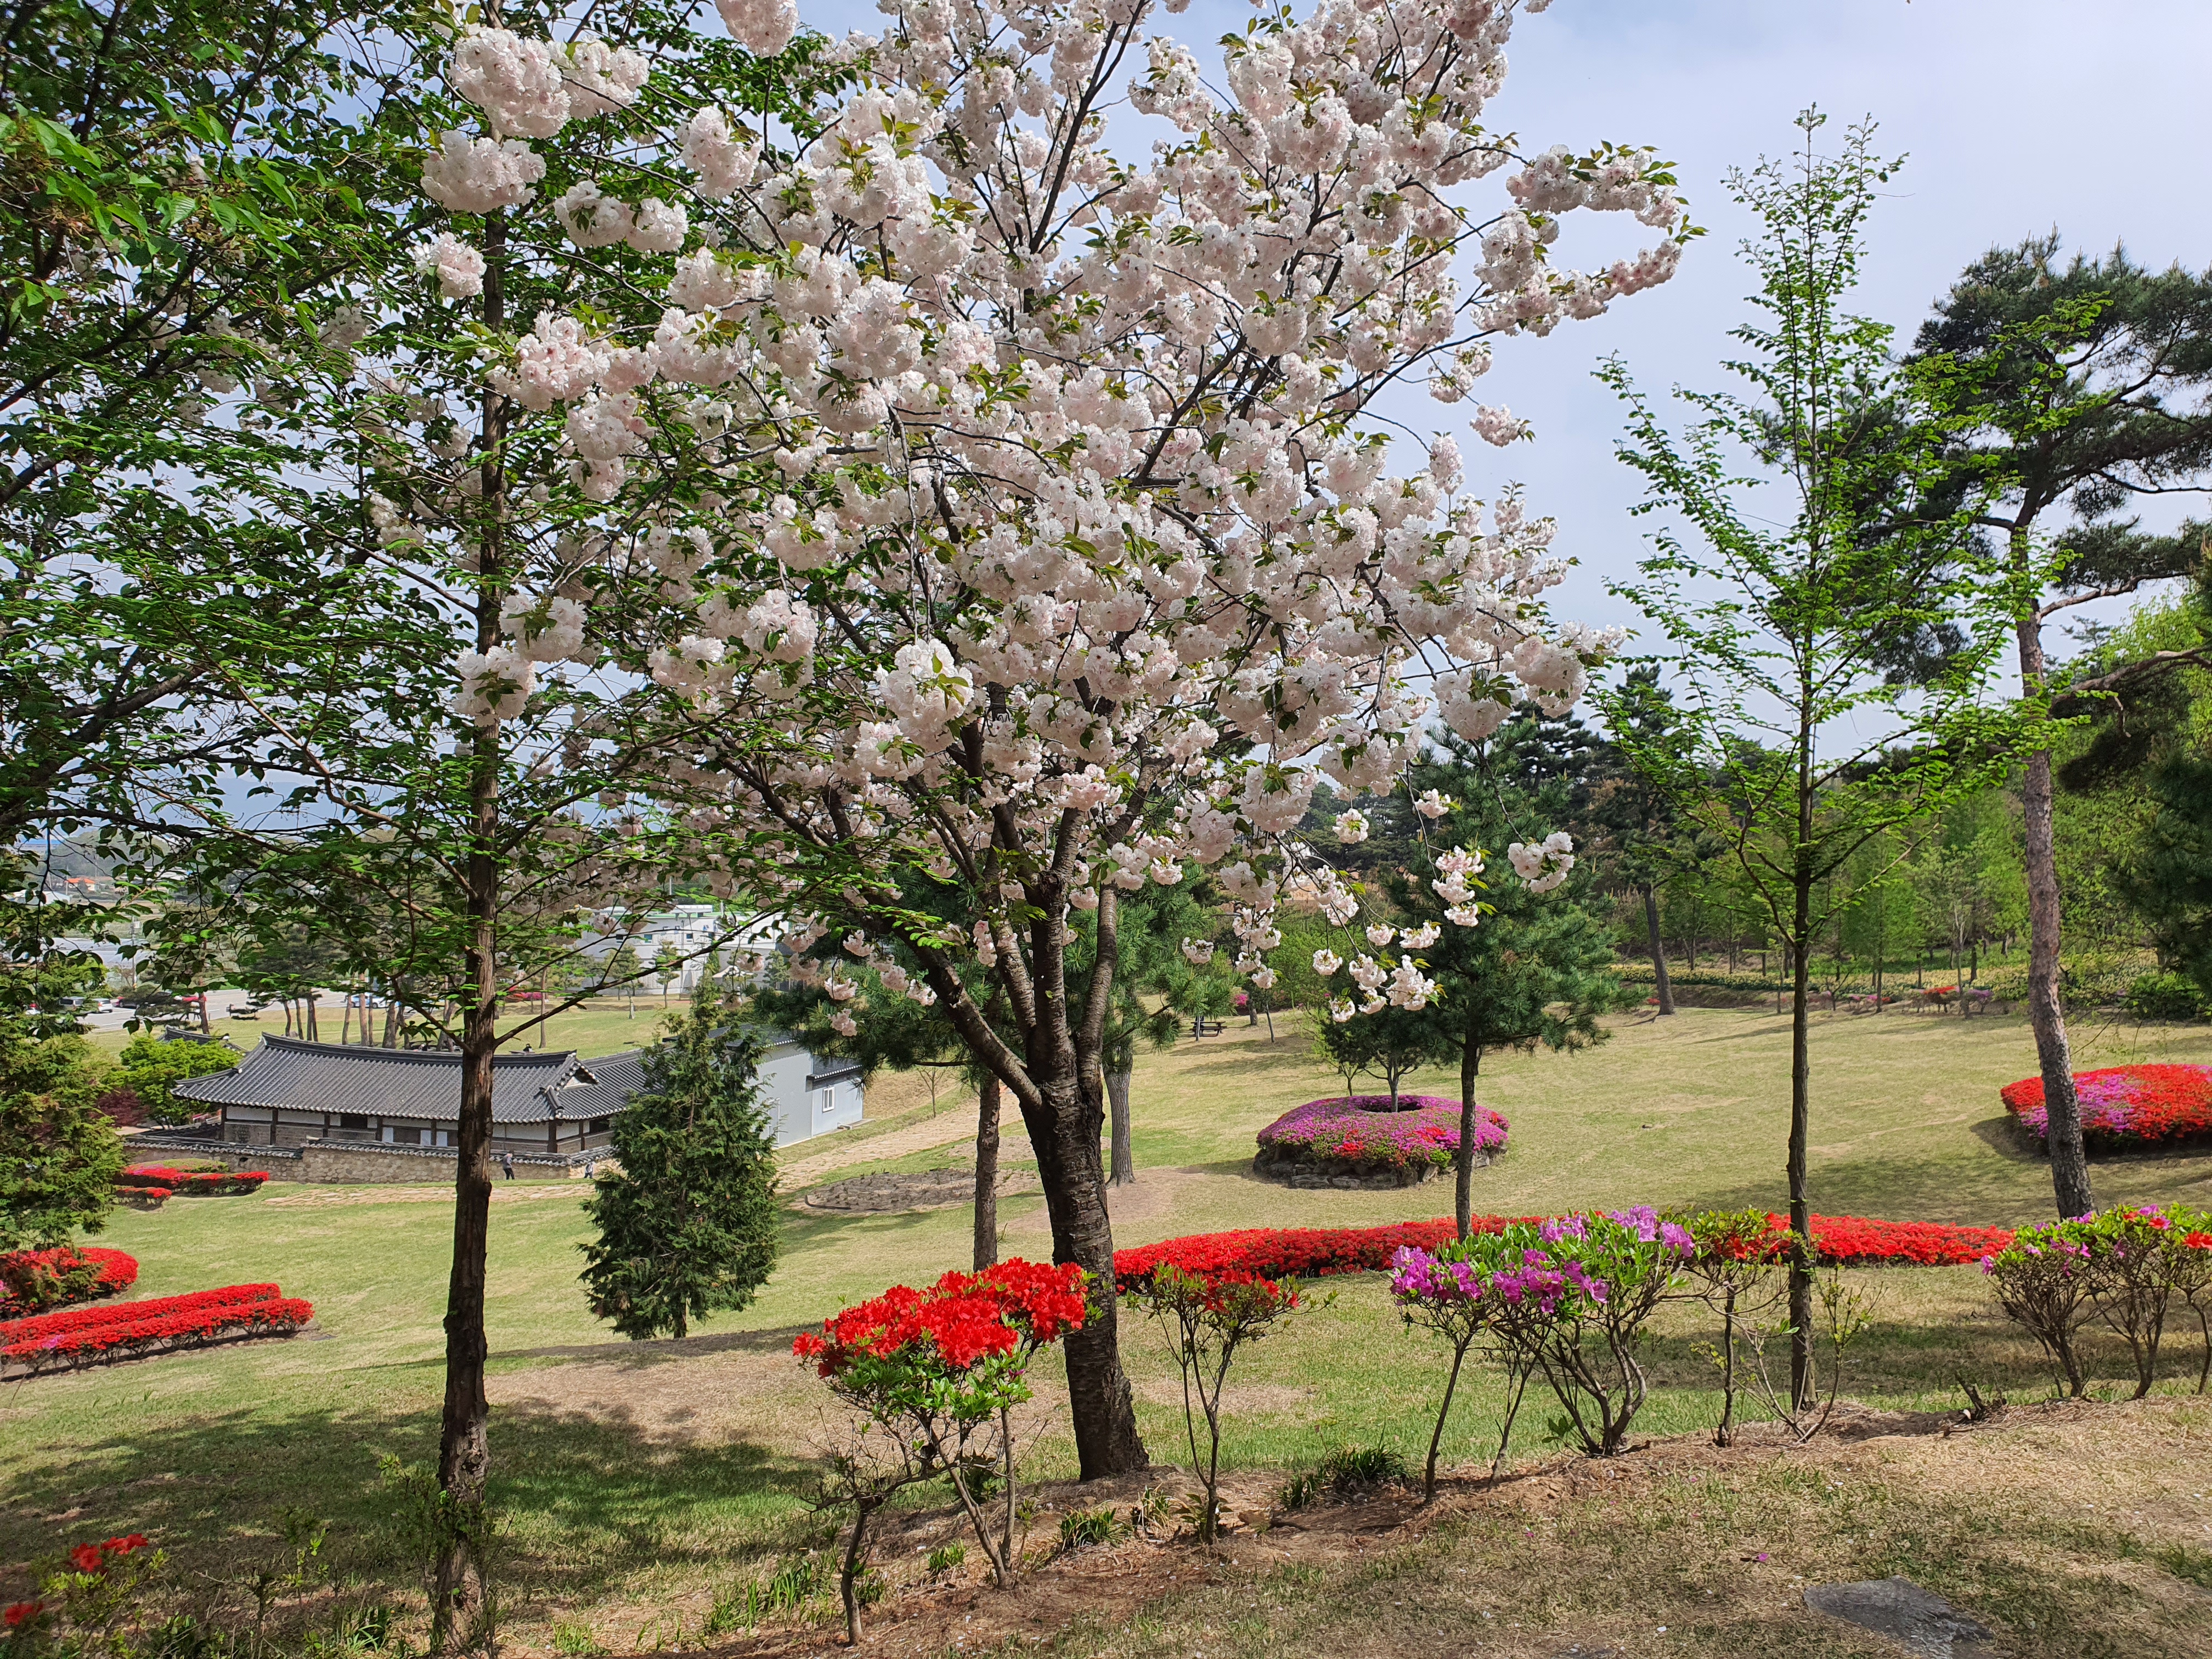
1294, 1167
351, 1163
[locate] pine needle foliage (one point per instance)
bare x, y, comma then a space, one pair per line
687, 1223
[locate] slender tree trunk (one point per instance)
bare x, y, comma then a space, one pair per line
1658, 950
2069, 1164
1125, 1155
460, 1599
1470, 1063
1800, 1114
987, 1172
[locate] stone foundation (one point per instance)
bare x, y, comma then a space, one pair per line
350, 1162
1291, 1166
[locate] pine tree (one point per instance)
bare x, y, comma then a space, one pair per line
687, 1225
1537, 969
58, 1155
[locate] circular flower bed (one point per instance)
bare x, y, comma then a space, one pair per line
2125, 1105
1357, 1140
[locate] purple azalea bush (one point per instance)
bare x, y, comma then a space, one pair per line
1567, 1296
1362, 1129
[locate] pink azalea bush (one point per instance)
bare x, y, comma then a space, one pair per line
1362, 1130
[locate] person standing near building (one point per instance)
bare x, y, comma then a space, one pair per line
506, 1164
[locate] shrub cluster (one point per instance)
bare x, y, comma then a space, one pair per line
33, 1281
1846, 1241
89, 1336
2125, 1105
211, 1183
932, 1377
1363, 1131
1565, 1298
2130, 1269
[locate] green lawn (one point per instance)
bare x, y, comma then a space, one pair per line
636, 1476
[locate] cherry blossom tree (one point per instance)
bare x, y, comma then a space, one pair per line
996, 511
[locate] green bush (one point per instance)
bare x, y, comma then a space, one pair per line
2167, 996
1345, 1472
150, 1068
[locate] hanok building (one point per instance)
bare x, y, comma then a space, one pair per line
287, 1093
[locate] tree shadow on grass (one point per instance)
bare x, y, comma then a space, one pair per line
582, 1501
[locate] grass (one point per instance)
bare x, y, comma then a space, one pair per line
633, 1479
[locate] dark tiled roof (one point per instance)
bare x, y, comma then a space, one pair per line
421, 1085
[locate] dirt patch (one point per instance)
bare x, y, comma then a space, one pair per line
919, 1190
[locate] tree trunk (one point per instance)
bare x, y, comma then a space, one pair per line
1470, 1063
1658, 950
2069, 1164
1064, 1133
1801, 1205
460, 1601
986, 1173
1125, 1156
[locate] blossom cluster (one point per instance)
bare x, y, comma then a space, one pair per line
2125, 1105
1363, 1130
955, 1324
98, 1335
32, 1281
1031, 534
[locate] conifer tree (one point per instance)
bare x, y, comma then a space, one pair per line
687, 1225
1536, 969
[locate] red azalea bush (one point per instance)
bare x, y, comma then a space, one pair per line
85, 1319
153, 1326
2125, 1105
213, 1183
32, 1281
932, 1377
1312, 1252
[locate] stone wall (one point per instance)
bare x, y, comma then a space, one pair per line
372, 1163
348, 1162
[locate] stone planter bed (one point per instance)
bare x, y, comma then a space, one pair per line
1357, 1141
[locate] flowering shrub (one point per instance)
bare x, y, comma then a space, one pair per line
1856, 1241
32, 1281
2046, 1278
1283, 1252
1314, 1252
278, 1316
2125, 1105
2126, 1266
90, 1336
1208, 1317
85, 1319
213, 1183
1363, 1131
935, 1368
83, 1604
1567, 1296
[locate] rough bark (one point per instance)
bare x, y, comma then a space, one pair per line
1658, 950
986, 1173
1064, 1131
459, 1601
1125, 1157
2069, 1166
1470, 1065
